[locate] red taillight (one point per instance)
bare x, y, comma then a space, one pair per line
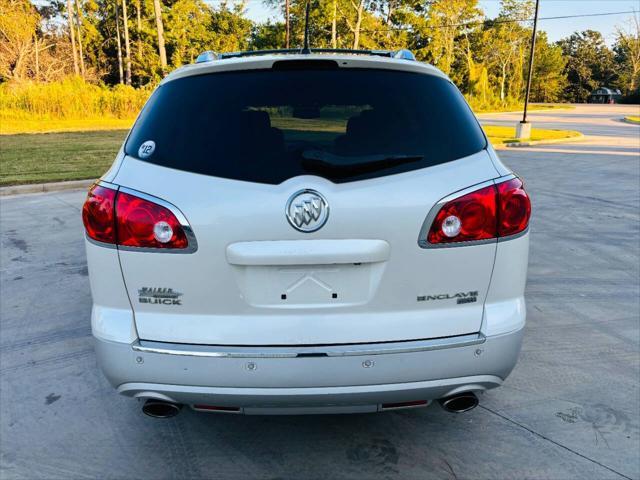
514, 208
142, 223
98, 214
467, 218
121, 218
490, 212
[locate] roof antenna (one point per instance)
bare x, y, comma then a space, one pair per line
305, 46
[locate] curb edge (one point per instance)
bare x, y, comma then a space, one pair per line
542, 142
45, 187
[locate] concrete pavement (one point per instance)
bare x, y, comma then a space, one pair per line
589, 119
569, 410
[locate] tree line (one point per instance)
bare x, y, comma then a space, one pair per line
136, 42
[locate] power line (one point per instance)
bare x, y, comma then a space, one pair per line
504, 20
602, 14
466, 24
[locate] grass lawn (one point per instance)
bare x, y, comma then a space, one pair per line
498, 134
12, 125
532, 108
632, 119
51, 157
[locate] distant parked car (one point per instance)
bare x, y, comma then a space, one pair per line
604, 95
307, 233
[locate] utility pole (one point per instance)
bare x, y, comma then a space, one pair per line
356, 29
79, 24
160, 29
119, 45
35, 41
127, 49
76, 70
523, 129
139, 31
286, 23
334, 30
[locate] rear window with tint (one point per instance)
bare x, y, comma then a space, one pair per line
267, 126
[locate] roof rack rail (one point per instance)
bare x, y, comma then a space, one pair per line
404, 54
251, 53
209, 55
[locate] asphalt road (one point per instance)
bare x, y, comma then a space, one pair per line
569, 410
594, 120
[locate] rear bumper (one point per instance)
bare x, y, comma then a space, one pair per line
273, 381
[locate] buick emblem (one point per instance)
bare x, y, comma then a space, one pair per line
307, 210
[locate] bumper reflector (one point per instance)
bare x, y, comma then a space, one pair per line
216, 408
415, 403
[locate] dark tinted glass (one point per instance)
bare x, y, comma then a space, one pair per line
343, 124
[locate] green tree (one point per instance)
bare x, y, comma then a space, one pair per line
627, 55
188, 31
548, 80
147, 61
267, 36
323, 20
232, 29
365, 24
509, 46
590, 64
18, 23
437, 28
92, 40
474, 78
157, 10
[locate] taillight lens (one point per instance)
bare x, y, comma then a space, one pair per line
495, 211
514, 208
121, 218
474, 215
142, 223
98, 214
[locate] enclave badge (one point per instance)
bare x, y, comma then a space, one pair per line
307, 210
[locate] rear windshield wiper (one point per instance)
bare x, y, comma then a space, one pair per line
338, 166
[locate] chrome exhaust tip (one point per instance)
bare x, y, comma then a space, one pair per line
160, 409
459, 403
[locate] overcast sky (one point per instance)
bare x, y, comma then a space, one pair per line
556, 29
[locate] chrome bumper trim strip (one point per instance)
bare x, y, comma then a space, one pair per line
307, 352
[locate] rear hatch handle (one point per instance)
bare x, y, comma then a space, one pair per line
308, 252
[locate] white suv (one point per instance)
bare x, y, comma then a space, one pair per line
307, 233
